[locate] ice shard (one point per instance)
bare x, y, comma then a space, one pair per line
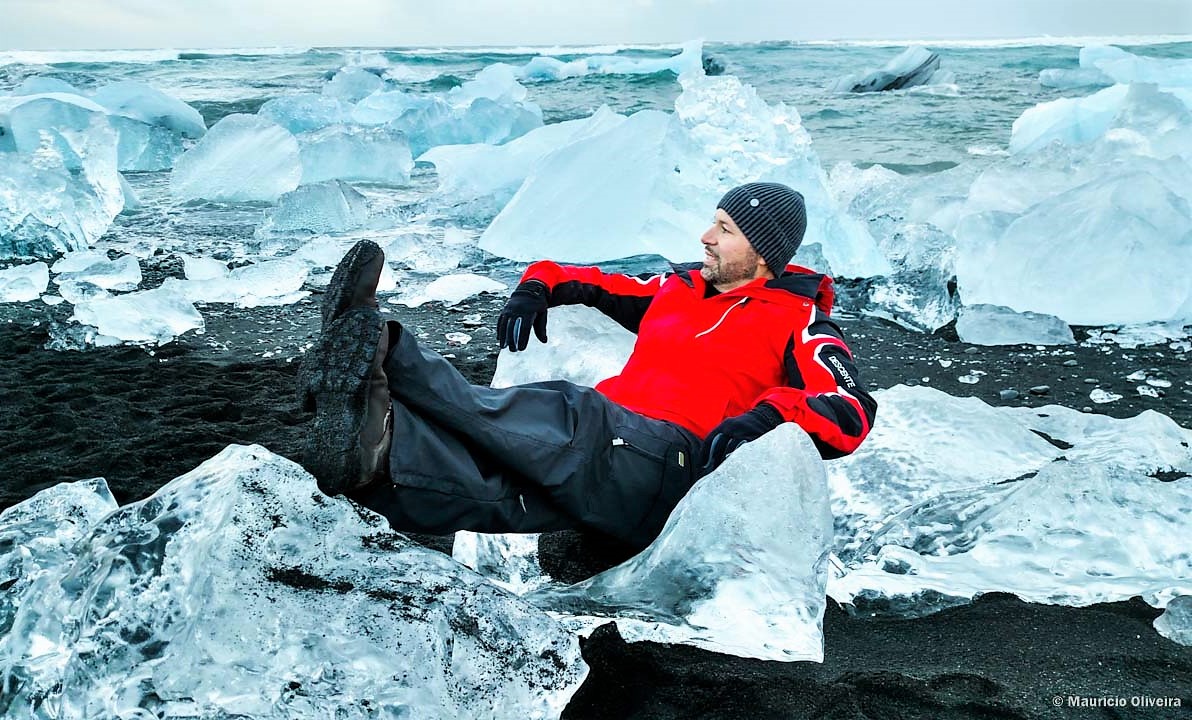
273, 282
1175, 623
239, 589
606, 345
450, 290
328, 207
997, 325
123, 273
663, 174
149, 317
241, 158
377, 155
23, 283
35, 120
739, 568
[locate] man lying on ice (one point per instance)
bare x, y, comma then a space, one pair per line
726, 351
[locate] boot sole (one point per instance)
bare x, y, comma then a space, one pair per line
335, 378
346, 278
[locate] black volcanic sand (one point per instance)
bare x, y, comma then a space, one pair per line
141, 418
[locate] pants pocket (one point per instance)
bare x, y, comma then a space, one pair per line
647, 476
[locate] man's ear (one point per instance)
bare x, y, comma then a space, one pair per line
763, 270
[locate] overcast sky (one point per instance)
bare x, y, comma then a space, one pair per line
94, 24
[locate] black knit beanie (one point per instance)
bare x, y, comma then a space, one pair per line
773, 218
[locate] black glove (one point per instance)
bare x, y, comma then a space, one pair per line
734, 432
526, 306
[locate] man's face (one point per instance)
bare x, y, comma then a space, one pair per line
729, 260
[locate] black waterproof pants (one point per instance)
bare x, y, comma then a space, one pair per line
530, 458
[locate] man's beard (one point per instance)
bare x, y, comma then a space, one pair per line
723, 273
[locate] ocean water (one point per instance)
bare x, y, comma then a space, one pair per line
922, 130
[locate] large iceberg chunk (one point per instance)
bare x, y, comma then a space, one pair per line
1109, 205
34, 120
242, 158
238, 589
494, 172
45, 208
739, 568
379, 155
1128, 224
23, 283
920, 521
1126, 67
1075, 534
139, 101
151, 124
914, 66
649, 184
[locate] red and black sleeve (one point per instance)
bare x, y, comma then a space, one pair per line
824, 394
624, 298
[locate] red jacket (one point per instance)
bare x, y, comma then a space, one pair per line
700, 360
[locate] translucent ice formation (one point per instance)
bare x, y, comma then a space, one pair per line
380, 155
306, 112
242, 158
543, 68
739, 568
663, 175
1064, 78
912, 67
1048, 503
606, 348
1126, 67
273, 282
997, 325
152, 125
494, 172
491, 108
36, 537
45, 207
1175, 623
149, 317
451, 290
352, 84
23, 283
1074, 534
35, 120
1106, 181
328, 207
123, 273
239, 589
